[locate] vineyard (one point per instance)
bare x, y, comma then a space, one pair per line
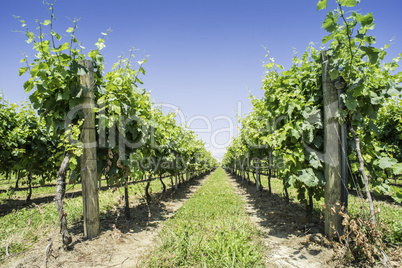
321, 129
94, 173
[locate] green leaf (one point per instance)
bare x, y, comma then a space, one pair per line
292, 180
314, 161
138, 90
334, 74
322, 4
73, 163
62, 47
59, 96
356, 87
46, 22
70, 29
328, 38
269, 65
330, 22
308, 177
81, 70
386, 162
372, 53
279, 66
375, 99
364, 20
28, 86
351, 103
295, 134
100, 44
397, 169
75, 91
117, 81
381, 188
318, 141
397, 196
349, 3
58, 36
22, 70
99, 59
101, 89
393, 88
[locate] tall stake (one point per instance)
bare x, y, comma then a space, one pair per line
88, 158
257, 178
340, 86
332, 153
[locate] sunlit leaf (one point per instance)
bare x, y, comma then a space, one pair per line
322, 4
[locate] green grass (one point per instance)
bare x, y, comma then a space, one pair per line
390, 214
210, 230
20, 229
37, 190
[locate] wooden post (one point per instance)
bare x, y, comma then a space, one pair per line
269, 171
88, 157
340, 86
257, 178
332, 153
175, 182
234, 168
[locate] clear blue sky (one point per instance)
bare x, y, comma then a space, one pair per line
205, 56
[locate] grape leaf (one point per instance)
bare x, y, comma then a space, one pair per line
322, 4
386, 162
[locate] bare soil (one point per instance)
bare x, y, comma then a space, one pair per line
290, 239
122, 243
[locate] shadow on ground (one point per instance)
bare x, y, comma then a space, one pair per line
8, 206
281, 218
121, 243
142, 214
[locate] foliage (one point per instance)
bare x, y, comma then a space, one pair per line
26, 144
370, 85
287, 123
124, 113
389, 134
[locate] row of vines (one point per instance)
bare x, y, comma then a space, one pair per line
135, 140
284, 132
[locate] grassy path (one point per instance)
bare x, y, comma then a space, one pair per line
212, 229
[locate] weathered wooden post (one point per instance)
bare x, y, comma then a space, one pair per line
234, 168
269, 171
88, 157
332, 153
257, 177
340, 86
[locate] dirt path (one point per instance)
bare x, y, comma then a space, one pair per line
291, 241
121, 243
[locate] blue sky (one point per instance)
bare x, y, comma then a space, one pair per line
205, 56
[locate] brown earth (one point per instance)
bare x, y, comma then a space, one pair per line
290, 239
121, 243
